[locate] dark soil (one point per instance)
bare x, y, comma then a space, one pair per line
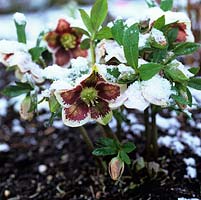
72, 172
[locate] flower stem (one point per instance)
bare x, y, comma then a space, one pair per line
92, 51
86, 138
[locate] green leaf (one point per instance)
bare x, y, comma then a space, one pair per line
172, 35
147, 71
166, 5
106, 119
176, 74
104, 33
195, 83
124, 157
151, 3
194, 70
186, 48
86, 19
21, 35
190, 98
159, 23
128, 147
106, 142
104, 151
118, 31
130, 44
40, 38
14, 91
81, 30
36, 52
85, 44
53, 104
25, 85
180, 99
98, 13
114, 72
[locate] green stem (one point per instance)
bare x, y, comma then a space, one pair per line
147, 134
110, 133
92, 51
86, 138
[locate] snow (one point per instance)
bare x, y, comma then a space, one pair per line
182, 198
143, 39
3, 107
191, 172
42, 168
4, 147
19, 18
189, 161
158, 36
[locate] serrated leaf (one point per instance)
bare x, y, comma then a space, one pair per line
159, 23
186, 48
104, 151
104, 33
36, 52
128, 147
166, 5
130, 44
106, 141
81, 30
176, 74
87, 21
147, 71
118, 31
21, 34
195, 83
98, 13
151, 3
85, 44
124, 157
53, 104
106, 119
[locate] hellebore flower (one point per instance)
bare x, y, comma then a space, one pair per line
116, 168
64, 43
88, 101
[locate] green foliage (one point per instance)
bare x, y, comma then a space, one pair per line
85, 44
166, 5
180, 99
186, 48
86, 19
130, 44
16, 90
36, 52
160, 23
104, 33
118, 31
53, 104
128, 147
147, 71
151, 3
124, 157
21, 34
104, 151
194, 70
195, 83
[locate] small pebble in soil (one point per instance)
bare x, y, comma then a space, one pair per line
4, 147
42, 169
7, 193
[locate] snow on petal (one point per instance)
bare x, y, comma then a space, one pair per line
157, 90
135, 99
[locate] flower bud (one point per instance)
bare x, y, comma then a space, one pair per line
116, 168
25, 109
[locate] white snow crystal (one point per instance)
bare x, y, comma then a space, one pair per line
42, 168
189, 161
3, 106
4, 147
191, 172
157, 90
19, 18
158, 36
143, 38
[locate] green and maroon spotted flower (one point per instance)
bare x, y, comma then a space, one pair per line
64, 43
88, 101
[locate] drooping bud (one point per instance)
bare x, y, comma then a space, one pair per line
25, 112
116, 168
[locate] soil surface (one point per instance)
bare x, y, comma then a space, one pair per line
47, 163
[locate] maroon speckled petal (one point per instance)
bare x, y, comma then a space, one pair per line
100, 109
69, 97
77, 52
63, 27
77, 112
62, 57
92, 80
52, 39
107, 91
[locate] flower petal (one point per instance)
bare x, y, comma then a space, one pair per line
108, 91
68, 97
100, 109
52, 39
63, 27
76, 115
78, 52
62, 57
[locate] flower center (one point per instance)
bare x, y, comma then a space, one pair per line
89, 95
68, 41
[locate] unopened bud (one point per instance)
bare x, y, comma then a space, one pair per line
116, 168
25, 112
